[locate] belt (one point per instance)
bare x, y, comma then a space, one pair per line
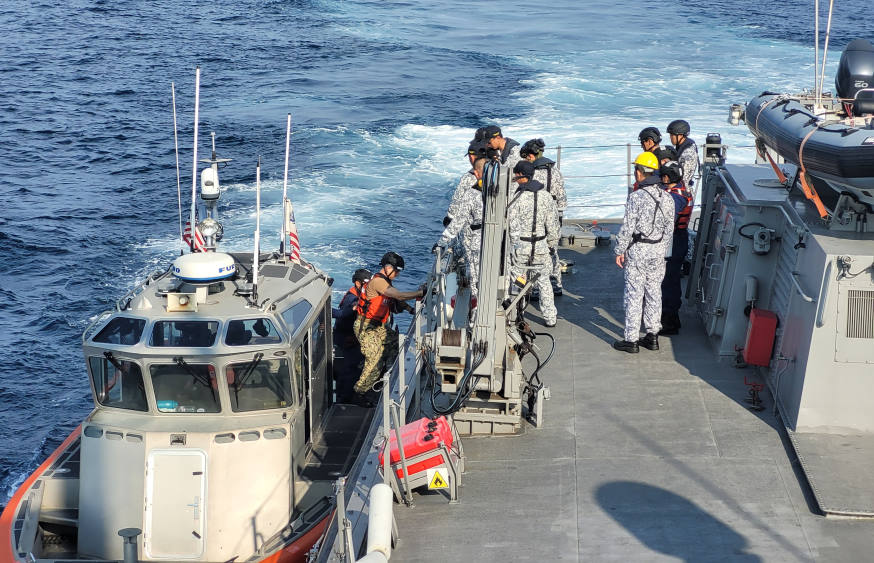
532, 239
476, 227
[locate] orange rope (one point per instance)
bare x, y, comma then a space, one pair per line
809, 191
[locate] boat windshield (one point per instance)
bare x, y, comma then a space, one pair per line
195, 334
118, 383
259, 384
184, 387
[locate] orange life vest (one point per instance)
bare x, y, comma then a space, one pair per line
686, 212
376, 309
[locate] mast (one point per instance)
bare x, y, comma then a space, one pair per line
257, 232
193, 214
178, 177
285, 186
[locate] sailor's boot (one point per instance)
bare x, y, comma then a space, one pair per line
650, 341
670, 324
626, 346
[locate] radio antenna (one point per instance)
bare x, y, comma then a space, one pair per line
257, 231
193, 213
285, 186
178, 177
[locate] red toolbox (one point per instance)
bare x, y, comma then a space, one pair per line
760, 337
419, 438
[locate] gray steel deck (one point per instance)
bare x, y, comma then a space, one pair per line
647, 457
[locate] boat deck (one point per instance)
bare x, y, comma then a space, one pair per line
643, 457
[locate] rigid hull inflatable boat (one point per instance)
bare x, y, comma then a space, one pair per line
828, 138
214, 436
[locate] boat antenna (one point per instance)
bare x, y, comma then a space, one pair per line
828, 29
178, 178
285, 185
192, 215
257, 231
816, 86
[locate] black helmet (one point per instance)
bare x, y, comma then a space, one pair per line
362, 275
672, 170
393, 259
534, 146
650, 133
479, 135
678, 127
524, 168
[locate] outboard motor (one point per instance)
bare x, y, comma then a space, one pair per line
855, 78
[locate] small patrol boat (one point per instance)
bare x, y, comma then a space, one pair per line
214, 436
831, 138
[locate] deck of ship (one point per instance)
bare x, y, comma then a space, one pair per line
647, 457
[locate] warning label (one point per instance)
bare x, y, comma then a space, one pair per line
436, 479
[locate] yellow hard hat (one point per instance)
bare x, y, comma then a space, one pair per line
647, 160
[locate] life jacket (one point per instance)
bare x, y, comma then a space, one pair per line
377, 309
544, 163
686, 213
507, 148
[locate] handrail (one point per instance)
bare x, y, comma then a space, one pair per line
806, 297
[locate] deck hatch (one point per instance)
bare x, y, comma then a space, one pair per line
860, 314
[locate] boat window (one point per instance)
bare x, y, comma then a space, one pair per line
184, 387
296, 315
186, 334
121, 330
259, 384
118, 383
301, 368
251, 331
317, 337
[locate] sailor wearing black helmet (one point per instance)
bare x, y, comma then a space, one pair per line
379, 341
548, 174
507, 150
641, 246
687, 152
348, 356
672, 182
467, 224
534, 231
649, 138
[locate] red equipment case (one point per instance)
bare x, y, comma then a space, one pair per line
418, 439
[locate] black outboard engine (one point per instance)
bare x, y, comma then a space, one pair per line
855, 78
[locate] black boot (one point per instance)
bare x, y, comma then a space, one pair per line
650, 341
626, 346
670, 324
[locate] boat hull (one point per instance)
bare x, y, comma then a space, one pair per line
294, 550
836, 152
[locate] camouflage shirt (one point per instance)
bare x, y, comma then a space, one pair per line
468, 212
525, 225
510, 155
649, 213
687, 156
555, 187
467, 181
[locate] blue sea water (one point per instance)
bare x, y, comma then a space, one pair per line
384, 97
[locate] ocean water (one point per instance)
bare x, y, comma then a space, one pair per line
384, 97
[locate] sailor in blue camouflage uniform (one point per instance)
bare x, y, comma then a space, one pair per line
467, 223
506, 148
534, 232
476, 149
548, 174
687, 152
641, 246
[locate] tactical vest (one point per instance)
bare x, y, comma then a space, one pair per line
377, 309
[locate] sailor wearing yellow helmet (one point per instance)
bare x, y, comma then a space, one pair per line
641, 246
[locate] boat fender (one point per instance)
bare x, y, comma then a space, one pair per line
379, 523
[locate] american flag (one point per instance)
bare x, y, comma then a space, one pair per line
293, 248
199, 243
